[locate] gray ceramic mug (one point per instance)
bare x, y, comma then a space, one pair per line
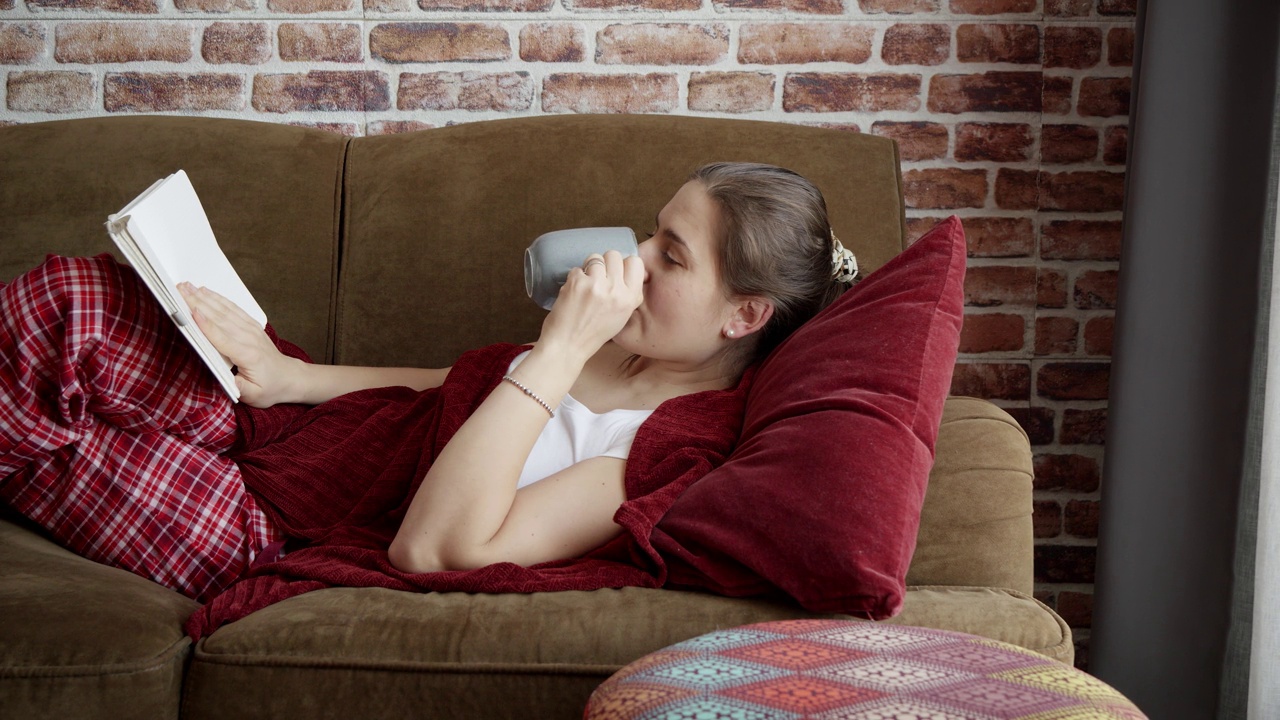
553, 255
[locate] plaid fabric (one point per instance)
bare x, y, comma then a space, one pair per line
111, 429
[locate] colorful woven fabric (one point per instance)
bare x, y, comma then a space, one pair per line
847, 670
111, 429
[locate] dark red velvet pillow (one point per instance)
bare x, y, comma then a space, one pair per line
821, 499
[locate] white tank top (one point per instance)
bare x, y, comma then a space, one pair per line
576, 434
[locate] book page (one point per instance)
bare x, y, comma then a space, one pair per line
179, 240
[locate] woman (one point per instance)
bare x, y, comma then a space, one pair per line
740, 256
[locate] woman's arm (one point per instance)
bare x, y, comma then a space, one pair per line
267, 377
466, 506
562, 516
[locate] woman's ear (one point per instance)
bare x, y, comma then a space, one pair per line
750, 315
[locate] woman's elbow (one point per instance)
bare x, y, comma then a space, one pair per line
415, 558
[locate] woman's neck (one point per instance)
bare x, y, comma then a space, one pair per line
614, 378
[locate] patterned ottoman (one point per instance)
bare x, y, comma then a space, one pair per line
849, 669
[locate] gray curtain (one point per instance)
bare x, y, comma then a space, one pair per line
1174, 577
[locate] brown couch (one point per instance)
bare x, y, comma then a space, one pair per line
406, 250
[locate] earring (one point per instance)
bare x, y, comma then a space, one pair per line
729, 332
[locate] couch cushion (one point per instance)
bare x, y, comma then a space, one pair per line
270, 191
822, 496
461, 655
975, 527
81, 639
436, 222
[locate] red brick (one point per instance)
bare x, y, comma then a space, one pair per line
1072, 47
998, 43
1103, 97
1117, 7
810, 7
1077, 473
395, 127
1115, 145
842, 92
1017, 189
1056, 94
1046, 518
997, 142
1056, 335
1081, 518
583, 93
389, 6
666, 5
995, 285
167, 92
992, 332
795, 43
487, 5
552, 42
7, 5
318, 42
310, 6
898, 7
992, 7
247, 43
1067, 8
1096, 289
1036, 421
916, 140
331, 90
1084, 427
439, 42
1066, 144
1098, 334
662, 44
988, 92
338, 128
997, 237
918, 226
120, 42
474, 91
21, 43
1085, 191
842, 126
50, 91
1073, 380
945, 188
120, 6
916, 44
1080, 240
992, 381
1051, 289
1120, 47
213, 6
1065, 563
730, 92
1076, 607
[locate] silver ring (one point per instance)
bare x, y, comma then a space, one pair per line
591, 262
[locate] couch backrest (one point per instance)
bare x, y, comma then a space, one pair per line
271, 193
436, 222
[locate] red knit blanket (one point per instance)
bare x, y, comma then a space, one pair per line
338, 478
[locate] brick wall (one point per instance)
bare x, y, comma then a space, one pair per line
1010, 113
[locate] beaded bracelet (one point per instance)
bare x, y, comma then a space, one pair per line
531, 394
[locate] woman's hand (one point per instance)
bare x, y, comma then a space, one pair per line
264, 375
595, 303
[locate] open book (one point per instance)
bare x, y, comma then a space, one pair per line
165, 236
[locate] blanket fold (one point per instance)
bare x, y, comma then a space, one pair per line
339, 477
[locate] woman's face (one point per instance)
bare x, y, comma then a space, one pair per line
685, 308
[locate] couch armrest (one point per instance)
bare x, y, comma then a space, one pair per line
975, 528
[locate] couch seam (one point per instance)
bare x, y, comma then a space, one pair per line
178, 649
529, 668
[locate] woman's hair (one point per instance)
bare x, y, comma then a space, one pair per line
777, 243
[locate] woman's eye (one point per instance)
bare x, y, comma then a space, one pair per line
650, 233
666, 256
